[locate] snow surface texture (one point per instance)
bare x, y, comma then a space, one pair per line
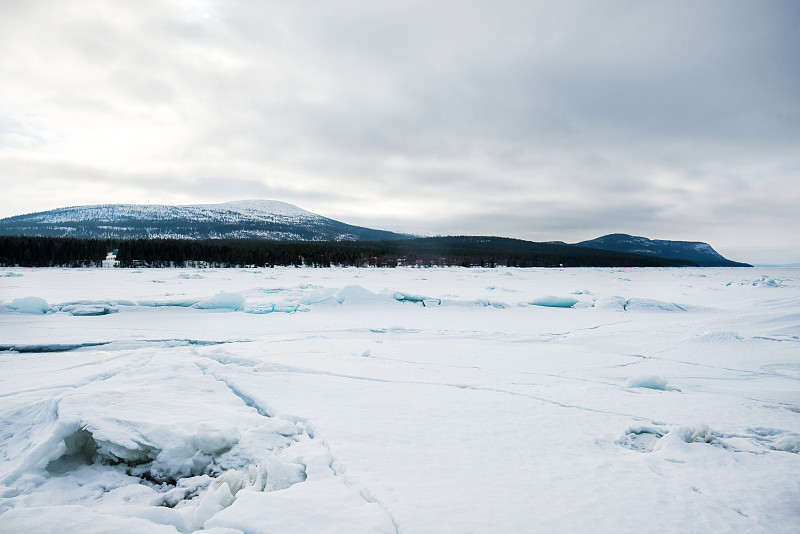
399, 400
257, 210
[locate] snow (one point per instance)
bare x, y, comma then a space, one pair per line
261, 208
399, 400
243, 210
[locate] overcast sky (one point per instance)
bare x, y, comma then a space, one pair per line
560, 120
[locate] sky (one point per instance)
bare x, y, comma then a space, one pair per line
561, 120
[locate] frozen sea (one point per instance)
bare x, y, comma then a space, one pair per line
293, 400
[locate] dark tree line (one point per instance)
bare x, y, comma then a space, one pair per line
465, 251
233, 253
472, 251
28, 251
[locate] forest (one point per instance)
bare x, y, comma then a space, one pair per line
466, 251
31, 251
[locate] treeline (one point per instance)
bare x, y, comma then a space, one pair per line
477, 251
234, 253
467, 251
29, 251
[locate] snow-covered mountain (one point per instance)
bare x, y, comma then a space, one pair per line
260, 219
274, 220
700, 253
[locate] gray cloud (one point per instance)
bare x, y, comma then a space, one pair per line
541, 120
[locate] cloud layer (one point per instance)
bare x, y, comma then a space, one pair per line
539, 120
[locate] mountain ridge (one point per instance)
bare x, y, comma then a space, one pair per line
246, 219
697, 251
279, 221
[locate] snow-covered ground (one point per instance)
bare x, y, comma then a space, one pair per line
384, 400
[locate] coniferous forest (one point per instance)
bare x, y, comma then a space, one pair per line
467, 251
30, 251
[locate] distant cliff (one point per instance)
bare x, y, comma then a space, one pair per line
697, 252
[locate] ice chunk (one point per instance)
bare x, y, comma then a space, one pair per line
764, 281
33, 305
555, 302
486, 303
610, 303
213, 440
641, 439
270, 475
222, 300
649, 382
408, 297
217, 497
260, 308
281, 475
85, 310
10, 275
787, 443
699, 433
356, 295
317, 296
178, 303
128, 451
286, 308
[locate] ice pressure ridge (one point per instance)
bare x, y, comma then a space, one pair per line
122, 437
303, 298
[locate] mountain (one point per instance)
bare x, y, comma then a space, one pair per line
278, 221
700, 253
247, 219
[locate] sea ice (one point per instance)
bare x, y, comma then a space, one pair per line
401, 400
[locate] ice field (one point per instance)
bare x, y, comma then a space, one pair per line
400, 400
